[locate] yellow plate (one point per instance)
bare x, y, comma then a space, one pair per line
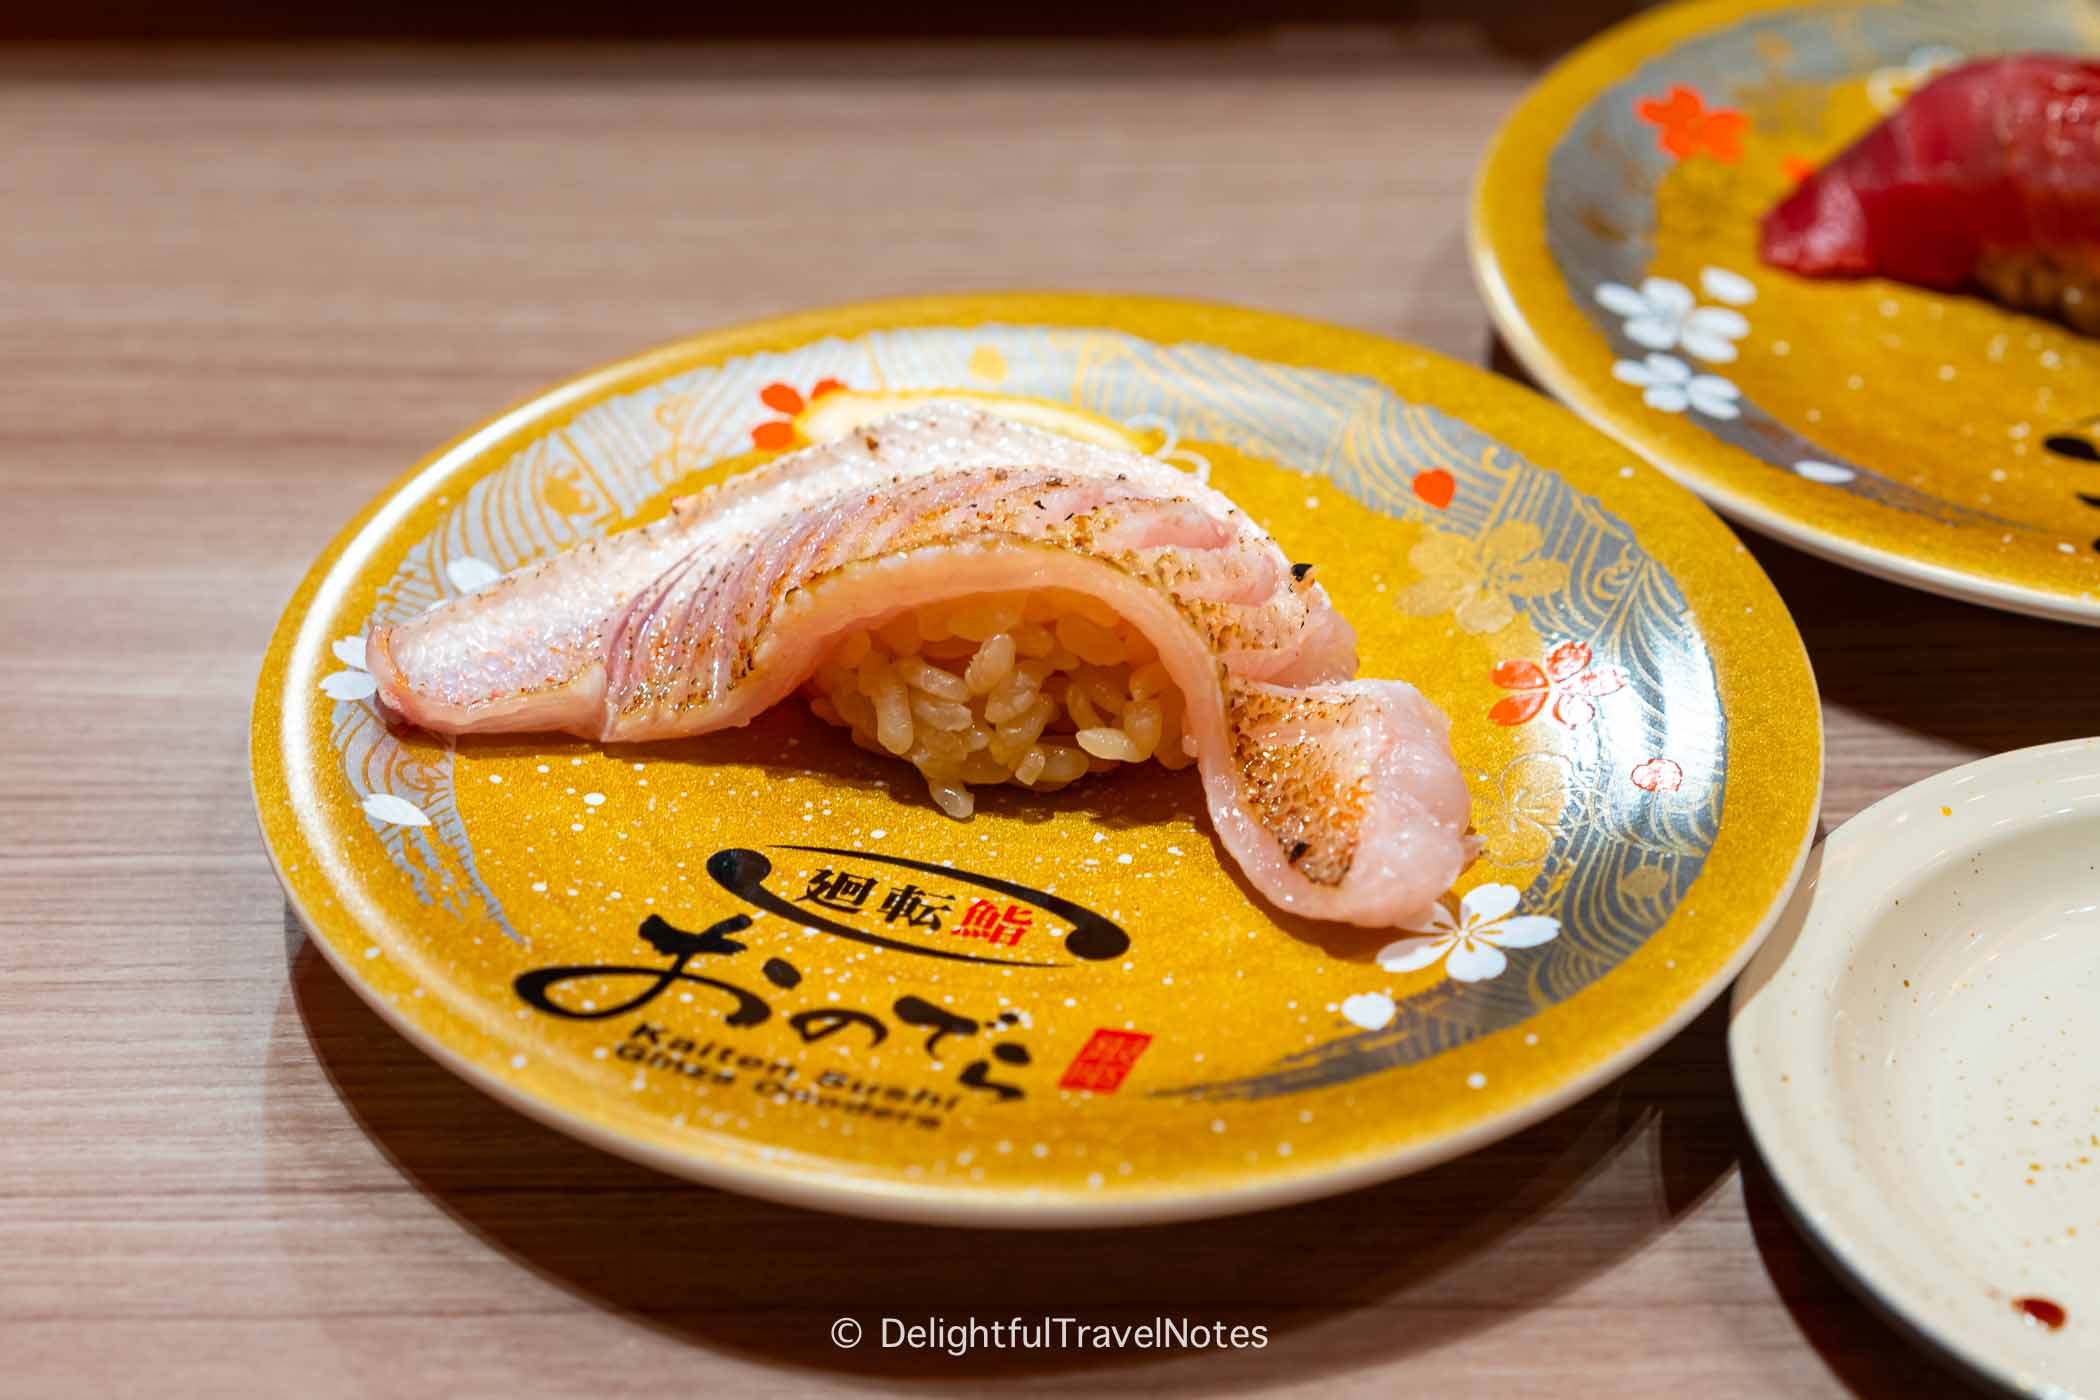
764, 960
1932, 439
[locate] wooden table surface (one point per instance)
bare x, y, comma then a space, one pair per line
242, 289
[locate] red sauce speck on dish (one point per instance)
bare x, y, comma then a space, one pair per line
2044, 1311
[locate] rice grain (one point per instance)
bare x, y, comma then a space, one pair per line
1037, 689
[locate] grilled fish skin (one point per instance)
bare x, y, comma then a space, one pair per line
1339, 798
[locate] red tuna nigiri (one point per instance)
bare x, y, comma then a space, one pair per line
1989, 176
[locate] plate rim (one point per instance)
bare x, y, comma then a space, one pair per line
1800, 1176
1568, 83
921, 1203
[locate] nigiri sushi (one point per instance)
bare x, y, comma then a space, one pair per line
991, 603
1988, 176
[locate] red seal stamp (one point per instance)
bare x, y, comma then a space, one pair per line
1104, 1061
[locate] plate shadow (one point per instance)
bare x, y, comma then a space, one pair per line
1454, 1250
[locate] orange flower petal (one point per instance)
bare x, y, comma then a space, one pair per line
1573, 711
1685, 126
1567, 659
1515, 709
1681, 104
1436, 486
824, 386
1519, 675
1658, 775
1672, 105
1605, 680
781, 398
774, 434
1722, 135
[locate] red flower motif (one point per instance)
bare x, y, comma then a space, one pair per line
1436, 486
1658, 775
1567, 679
1685, 125
777, 433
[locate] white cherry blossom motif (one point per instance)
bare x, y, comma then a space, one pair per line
468, 573
1667, 383
356, 683
1664, 315
1373, 1011
1471, 944
1730, 287
396, 811
1827, 473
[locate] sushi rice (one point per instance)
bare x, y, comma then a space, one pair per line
1036, 688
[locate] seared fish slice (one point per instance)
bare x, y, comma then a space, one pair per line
995, 603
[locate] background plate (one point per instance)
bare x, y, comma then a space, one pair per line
1914, 1049
1932, 439
1145, 1040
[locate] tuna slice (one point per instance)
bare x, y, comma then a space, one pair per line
993, 603
1988, 176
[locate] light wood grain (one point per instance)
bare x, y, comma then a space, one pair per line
240, 290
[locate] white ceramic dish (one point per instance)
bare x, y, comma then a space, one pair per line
1917, 1051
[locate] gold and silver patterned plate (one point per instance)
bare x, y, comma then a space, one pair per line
1934, 439
764, 960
